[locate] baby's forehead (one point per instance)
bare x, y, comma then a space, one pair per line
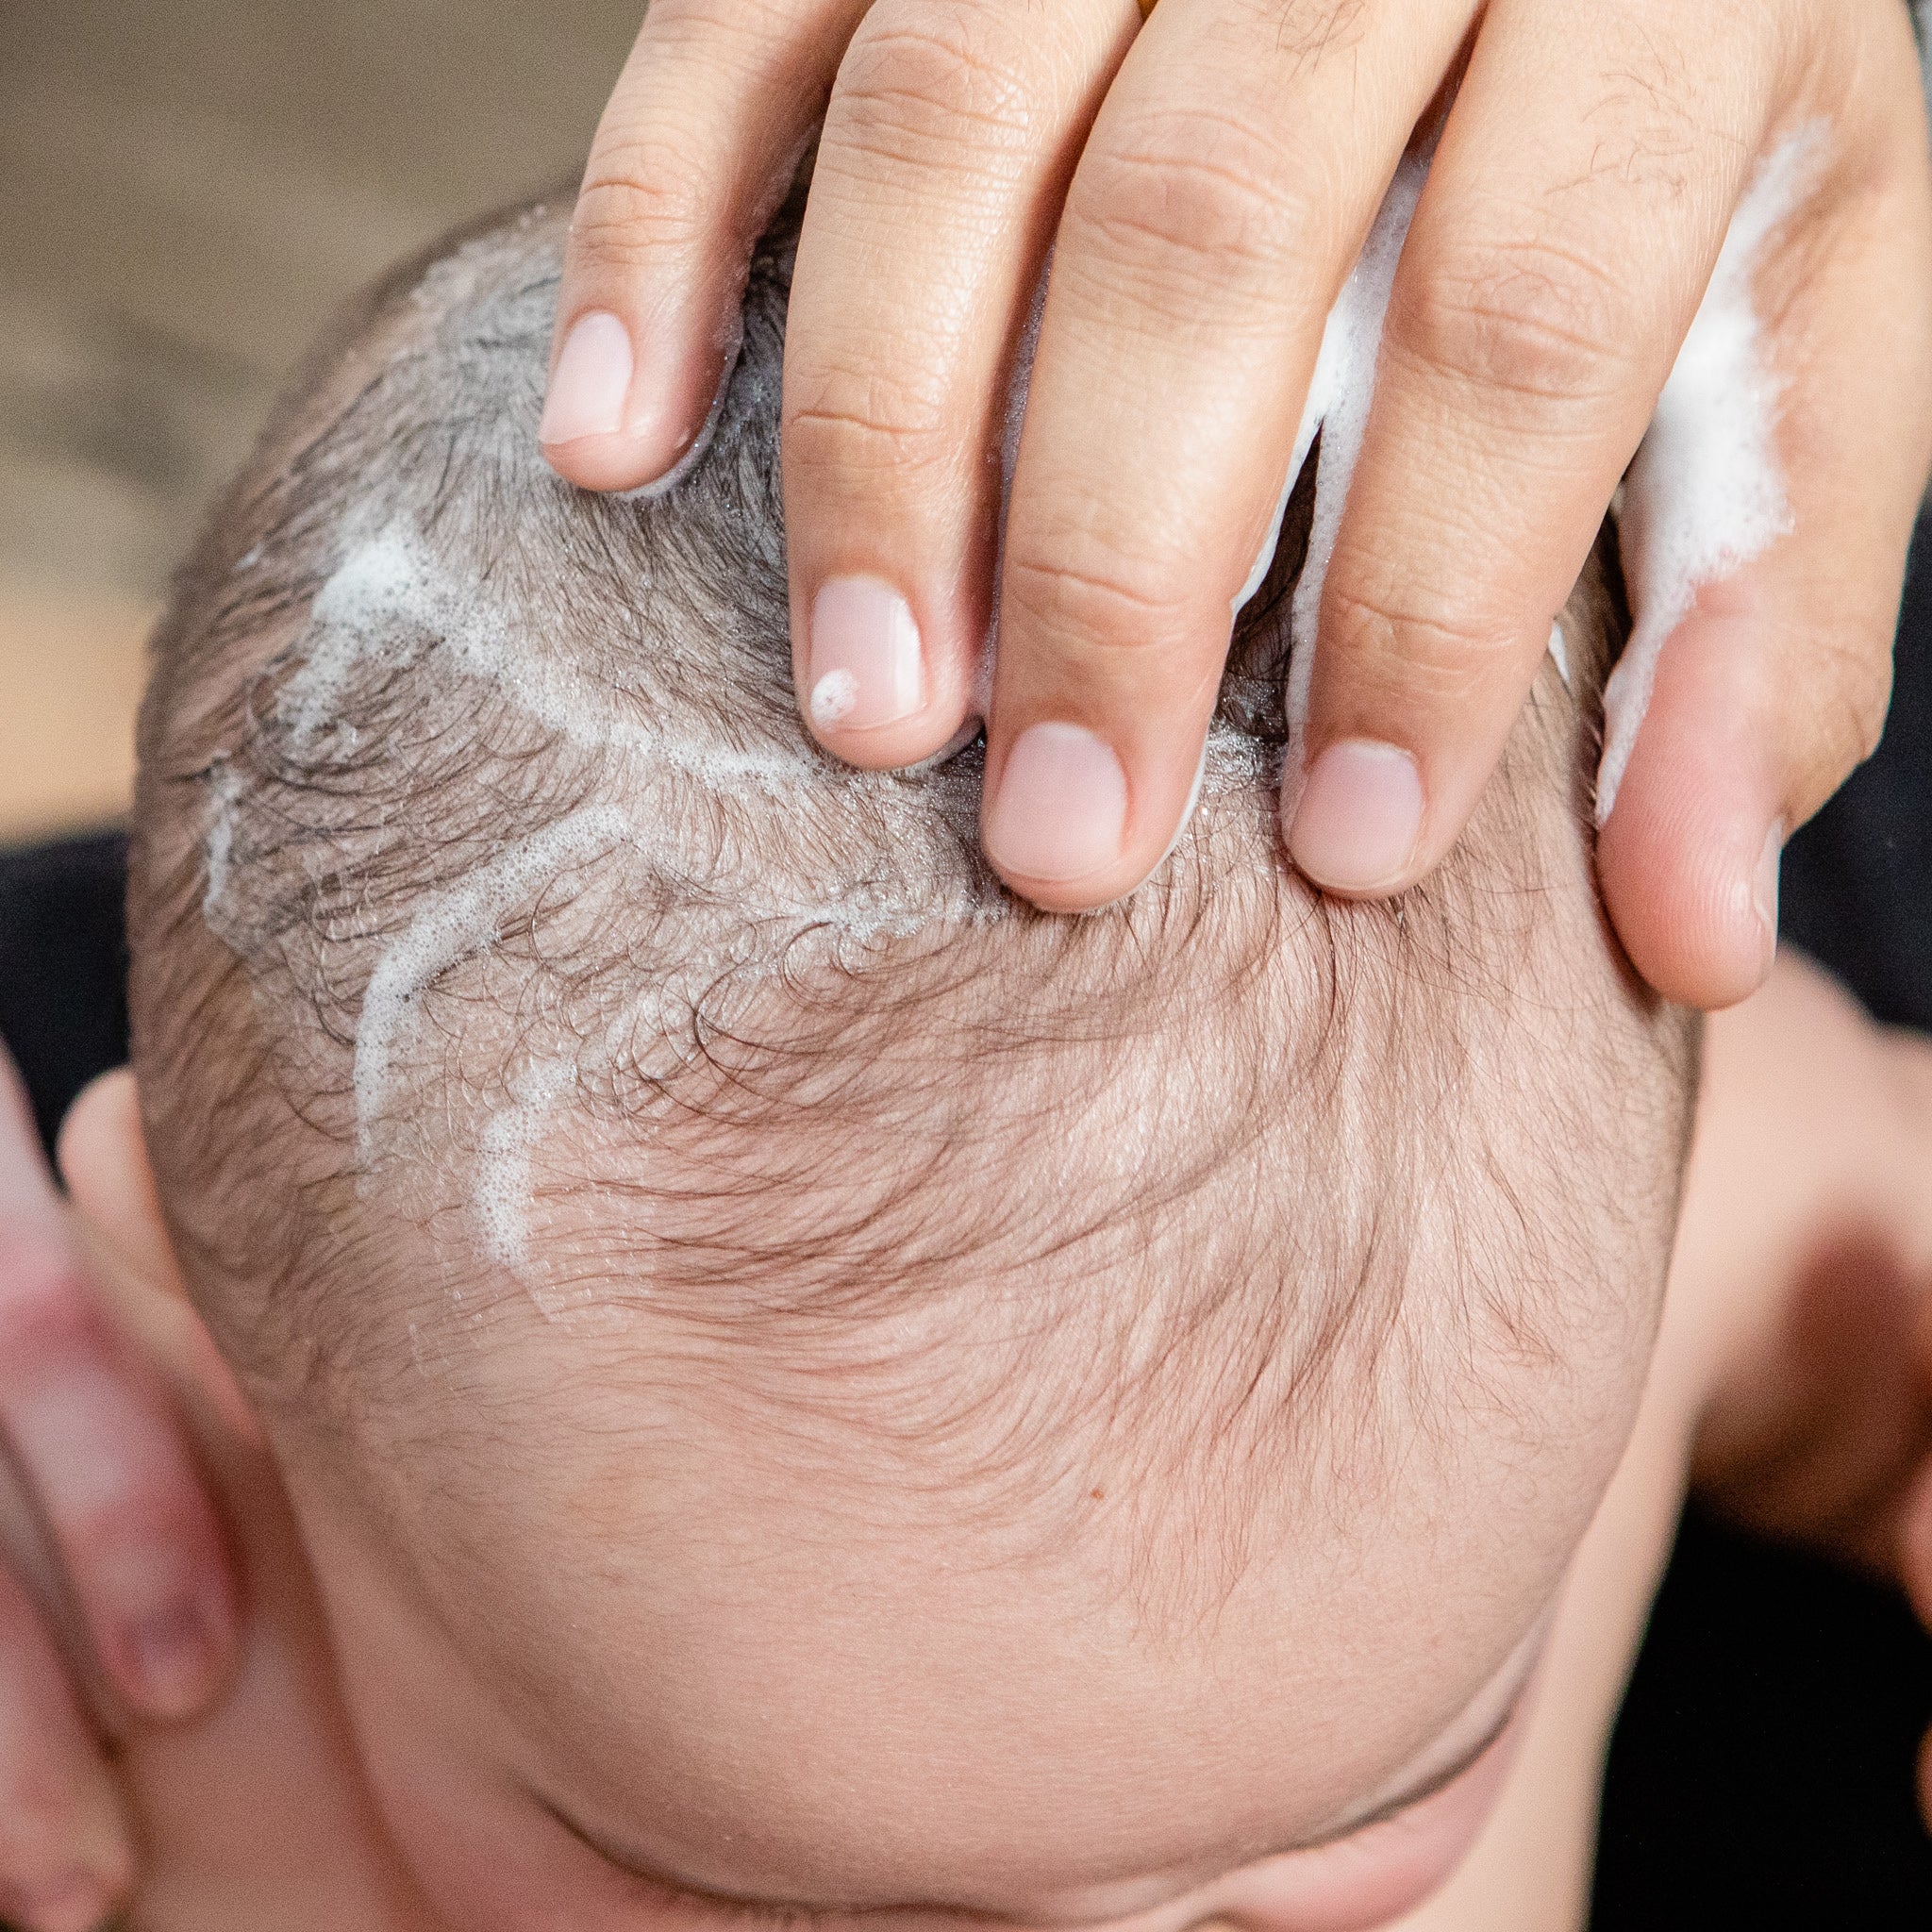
723, 1633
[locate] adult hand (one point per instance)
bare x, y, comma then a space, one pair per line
116, 1596
257, 1812
1208, 180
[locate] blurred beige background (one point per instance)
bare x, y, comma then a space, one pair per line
186, 187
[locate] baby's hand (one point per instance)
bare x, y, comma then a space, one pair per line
117, 1603
1808, 1227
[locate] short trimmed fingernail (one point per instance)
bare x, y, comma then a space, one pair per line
174, 1655
1061, 808
865, 664
1764, 884
591, 383
1358, 817
77, 1901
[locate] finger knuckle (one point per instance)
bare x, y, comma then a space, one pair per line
1439, 658
645, 197
1196, 208
934, 86
851, 418
703, 30
47, 1305
1532, 321
1095, 592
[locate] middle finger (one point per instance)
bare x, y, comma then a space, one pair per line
1223, 197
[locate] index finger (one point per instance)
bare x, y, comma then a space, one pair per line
102, 1453
695, 150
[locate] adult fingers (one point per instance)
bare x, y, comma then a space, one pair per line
98, 1444
1221, 197
66, 1854
1552, 267
695, 152
1770, 687
952, 133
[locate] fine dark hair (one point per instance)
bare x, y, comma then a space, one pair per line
489, 903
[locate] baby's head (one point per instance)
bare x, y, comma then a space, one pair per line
804, 1378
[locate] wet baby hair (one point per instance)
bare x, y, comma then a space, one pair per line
504, 948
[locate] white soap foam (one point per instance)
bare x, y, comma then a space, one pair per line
454, 925
500, 1189
1708, 465
218, 850
376, 605
1338, 405
1362, 303
388, 599
1705, 496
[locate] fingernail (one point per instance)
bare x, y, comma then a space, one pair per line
76, 1902
1358, 817
175, 1655
866, 667
591, 383
1764, 886
1062, 808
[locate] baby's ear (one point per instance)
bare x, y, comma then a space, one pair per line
103, 1159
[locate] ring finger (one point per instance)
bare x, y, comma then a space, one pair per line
1221, 199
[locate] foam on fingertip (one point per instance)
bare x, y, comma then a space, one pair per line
1705, 494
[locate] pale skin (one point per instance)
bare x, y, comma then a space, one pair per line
134, 1572
360, 1770
1206, 180
957, 147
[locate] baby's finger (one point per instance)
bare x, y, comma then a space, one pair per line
1772, 685
97, 1442
66, 1854
1222, 196
1548, 279
693, 153
952, 132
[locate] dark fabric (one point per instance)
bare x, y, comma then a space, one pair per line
63, 967
1761, 1774
1762, 1769
1857, 879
